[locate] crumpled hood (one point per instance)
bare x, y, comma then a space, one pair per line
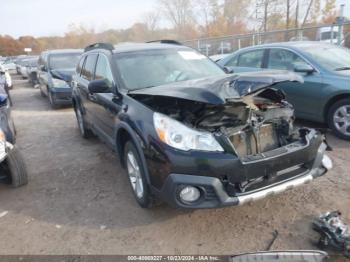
218, 90
63, 74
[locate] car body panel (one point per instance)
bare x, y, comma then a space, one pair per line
312, 97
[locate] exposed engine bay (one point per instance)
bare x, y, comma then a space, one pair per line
253, 124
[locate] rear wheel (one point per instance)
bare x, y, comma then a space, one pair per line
85, 132
136, 175
339, 118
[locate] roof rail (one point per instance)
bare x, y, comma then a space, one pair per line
106, 46
165, 41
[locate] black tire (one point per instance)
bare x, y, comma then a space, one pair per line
332, 114
41, 92
84, 131
147, 200
16, 168
52, 101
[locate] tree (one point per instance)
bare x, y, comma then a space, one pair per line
180, 14
329, 12
151, 20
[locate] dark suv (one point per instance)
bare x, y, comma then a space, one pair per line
55, 70
189, 134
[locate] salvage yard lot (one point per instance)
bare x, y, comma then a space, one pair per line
78, 200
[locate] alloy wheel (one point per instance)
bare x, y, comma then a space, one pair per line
342, 119
134, 173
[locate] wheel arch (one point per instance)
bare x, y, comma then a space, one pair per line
125, 133
332, 101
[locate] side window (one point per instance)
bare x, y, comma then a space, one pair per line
284, 60
80, 65
252, 59
233, 61
103, 70
89, 67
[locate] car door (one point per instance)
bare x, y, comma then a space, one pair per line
249, 61
87, 75
107, 105
303, 96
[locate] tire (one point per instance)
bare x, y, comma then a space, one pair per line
85, 132
52, 101
339, 118
145, 200
41, 92
16, 168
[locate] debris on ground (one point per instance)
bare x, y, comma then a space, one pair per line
275, 236
3, 214
334, 233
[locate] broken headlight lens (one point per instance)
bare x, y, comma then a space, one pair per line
179, 136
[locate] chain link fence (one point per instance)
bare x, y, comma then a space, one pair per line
338, 34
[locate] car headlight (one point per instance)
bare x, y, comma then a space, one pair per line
59, 83
179, 136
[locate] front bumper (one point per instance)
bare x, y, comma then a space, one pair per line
215, 193
62, 96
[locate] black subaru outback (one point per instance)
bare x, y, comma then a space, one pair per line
187, 132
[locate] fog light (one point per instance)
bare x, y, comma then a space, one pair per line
327, 162
190, 194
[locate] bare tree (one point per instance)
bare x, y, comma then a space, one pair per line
180, 13
151, 20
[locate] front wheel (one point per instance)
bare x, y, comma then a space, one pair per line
85, 132
16, 169
136, 175
52, 101
339, 118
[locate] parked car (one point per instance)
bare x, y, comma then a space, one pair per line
55, 72
329, 34
217, 58
325, 94
12, 166
32, 71
9, 64
189, 134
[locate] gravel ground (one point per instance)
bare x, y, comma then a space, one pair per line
78, 200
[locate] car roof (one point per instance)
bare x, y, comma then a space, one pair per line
134, 47
63, 51
291, 45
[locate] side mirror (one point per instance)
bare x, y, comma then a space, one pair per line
228, 70
98, 86
304, 68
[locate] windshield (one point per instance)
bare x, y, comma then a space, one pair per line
144, 69
330, 57
64, 61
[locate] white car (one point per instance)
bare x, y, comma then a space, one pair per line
9, 65
329, 34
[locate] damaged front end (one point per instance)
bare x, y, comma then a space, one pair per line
251, 121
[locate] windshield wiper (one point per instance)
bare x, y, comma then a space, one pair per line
343, 68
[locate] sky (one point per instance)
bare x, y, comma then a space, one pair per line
53, 17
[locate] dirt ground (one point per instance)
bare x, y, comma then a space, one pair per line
78, 200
